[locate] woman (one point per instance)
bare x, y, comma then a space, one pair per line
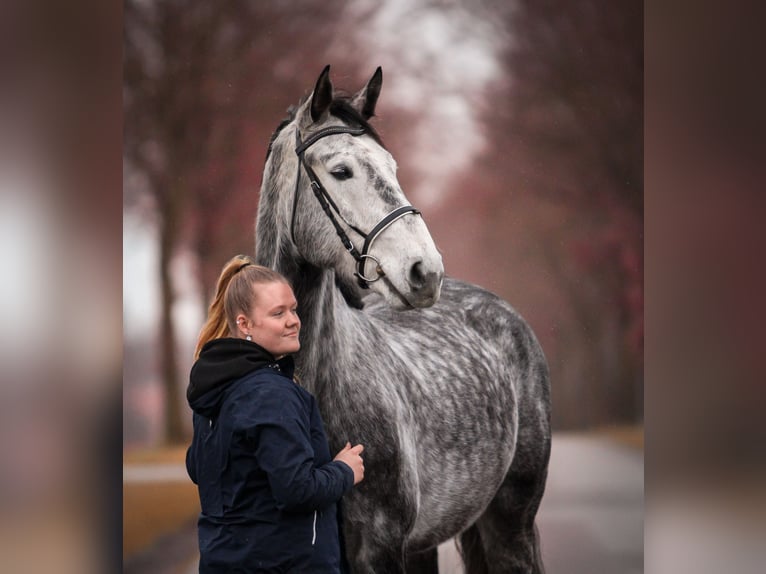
267, 485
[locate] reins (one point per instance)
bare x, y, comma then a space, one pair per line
331, 210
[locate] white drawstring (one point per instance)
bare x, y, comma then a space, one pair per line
314, 538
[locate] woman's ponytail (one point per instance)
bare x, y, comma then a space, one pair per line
216, 325
234, 294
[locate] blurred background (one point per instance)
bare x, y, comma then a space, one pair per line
518, 130
549, 91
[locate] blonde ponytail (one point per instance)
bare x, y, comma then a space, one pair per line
234, 294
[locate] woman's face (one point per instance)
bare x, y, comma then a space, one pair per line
273, 322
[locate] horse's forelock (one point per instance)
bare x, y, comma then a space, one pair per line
342, 109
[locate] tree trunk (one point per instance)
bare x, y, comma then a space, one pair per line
173, 431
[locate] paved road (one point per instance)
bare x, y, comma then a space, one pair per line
591, 517
590, 520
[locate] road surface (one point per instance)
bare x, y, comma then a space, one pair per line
590, 520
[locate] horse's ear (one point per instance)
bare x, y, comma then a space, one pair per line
365, 99
322, 96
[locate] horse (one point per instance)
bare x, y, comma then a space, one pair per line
443, 382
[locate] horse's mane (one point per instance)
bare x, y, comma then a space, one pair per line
341, 108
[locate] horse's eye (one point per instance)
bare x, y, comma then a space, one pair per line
342, 172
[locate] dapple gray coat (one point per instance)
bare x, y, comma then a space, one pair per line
443, 382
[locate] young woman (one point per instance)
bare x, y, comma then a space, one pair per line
267, 484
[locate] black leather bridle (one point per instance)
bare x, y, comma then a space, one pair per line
331, 209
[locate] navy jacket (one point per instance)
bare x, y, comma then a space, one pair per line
267, 484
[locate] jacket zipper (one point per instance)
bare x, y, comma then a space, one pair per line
314, 537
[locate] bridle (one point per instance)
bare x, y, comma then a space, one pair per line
333, 213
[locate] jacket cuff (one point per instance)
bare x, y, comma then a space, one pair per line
348, 476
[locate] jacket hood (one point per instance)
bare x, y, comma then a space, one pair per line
220, 363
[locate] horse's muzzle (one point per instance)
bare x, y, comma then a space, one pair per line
425, 286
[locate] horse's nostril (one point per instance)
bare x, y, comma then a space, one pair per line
417, 277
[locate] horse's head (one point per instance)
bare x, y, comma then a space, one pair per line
340, 204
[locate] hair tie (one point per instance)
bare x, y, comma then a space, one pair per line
241, 268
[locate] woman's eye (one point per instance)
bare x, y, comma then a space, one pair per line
342, 172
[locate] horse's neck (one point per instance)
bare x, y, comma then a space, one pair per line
321, 306
321, 310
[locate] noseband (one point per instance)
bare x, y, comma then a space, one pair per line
333, 213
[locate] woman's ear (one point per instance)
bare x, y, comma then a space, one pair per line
242, 325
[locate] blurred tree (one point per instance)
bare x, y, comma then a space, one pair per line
570, 139
287, 50
198, 80
171, 53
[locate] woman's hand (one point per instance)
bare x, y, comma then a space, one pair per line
350, 456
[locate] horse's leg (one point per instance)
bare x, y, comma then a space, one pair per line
472, 551
426, 562
507, 528
387, 560
367, 556
375, 539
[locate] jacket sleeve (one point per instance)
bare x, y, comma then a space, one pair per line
190, 466
191, 458
280, 429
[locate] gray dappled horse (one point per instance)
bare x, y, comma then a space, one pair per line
443, 382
